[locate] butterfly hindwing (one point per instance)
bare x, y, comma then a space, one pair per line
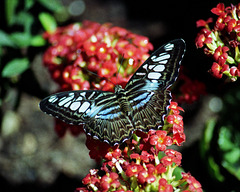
149, 111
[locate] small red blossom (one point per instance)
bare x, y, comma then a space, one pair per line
133, 169
217, 70
107, 69
175, 119
146, 157
175, 155
160, 140
203, 38
219, 9
109, 181
194, 185
113, 152
164, 186
234, 71
175, 108
166, 161
145, 177
161, 168
91, 178
220, 55
179, 138
171, 157
202, 23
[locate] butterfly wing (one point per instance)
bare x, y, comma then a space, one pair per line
146, 90
99, 111
160, 70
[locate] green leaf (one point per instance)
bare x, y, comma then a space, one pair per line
10, 7
225, 139
21, 39
15, 67
178, 173
26, 20
233, 156
53, 5
5, 39
37, 41
214, 169
29, 4
207, 137
48, 22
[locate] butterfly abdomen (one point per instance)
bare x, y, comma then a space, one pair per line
123, 102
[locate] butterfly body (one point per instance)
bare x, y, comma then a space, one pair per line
141, 105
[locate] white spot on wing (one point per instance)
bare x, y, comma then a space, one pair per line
93, 93
67, 104
64, 101
154, 75
145, 66
75, 105
84, 107
153, 57
52, 99
139, 73
169, 47
79, 98
163, 62
159, 68
83, 94
162, 58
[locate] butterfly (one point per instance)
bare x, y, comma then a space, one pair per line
141, 105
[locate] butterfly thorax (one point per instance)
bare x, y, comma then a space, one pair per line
122, 99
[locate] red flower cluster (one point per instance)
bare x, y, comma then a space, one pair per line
191, 90
222, 42
78, 51
144, 164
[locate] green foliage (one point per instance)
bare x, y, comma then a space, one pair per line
220, 145
15, 67
48, 22
21, 36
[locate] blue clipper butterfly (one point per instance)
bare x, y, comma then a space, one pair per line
142, 105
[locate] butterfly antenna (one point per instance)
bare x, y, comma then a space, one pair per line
101, 77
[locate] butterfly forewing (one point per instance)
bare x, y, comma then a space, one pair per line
160, 70
75, 107
142, 105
